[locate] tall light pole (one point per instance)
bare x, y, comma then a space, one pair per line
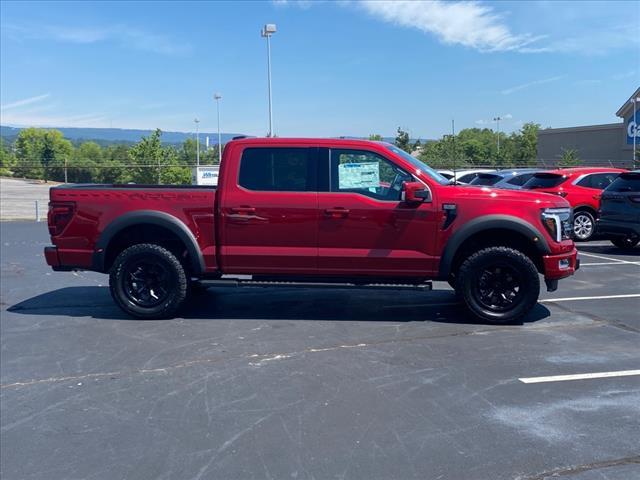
497, 120
635, 127
217, 97
266, 32
197, 142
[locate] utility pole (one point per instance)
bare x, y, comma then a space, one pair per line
635, 128
453, 143
497, 120
197, 142
217, 97
268, 30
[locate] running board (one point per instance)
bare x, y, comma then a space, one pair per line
234, 282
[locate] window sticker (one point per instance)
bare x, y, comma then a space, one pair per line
359, 175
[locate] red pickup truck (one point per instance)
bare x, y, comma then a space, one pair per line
314, 212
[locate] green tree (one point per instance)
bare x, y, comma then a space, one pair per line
152, 163
84, 165
147, 159
402, 140
375, 137
7, 159
38, 150
569, 158
114, 167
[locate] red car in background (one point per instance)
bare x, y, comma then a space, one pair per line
581, 187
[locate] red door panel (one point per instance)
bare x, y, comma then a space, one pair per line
270, 232
359, 235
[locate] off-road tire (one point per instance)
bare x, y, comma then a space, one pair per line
473, 272
161, 258
625, 243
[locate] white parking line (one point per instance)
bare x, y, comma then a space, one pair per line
579, 376
602, 297
606, 263
605, 258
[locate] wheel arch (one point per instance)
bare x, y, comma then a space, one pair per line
156, 222
496, 230
586, 207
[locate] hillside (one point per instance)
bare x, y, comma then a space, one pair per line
120, 135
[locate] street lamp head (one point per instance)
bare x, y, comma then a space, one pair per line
196, 120
217, 96
268, 30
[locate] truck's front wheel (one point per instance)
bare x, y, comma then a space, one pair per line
499, 284
147, 281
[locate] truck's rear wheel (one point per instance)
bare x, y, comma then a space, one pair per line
499, 284
147, 281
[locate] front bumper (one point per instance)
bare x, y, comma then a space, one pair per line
560, 265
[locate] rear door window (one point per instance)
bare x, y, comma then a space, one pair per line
278, 169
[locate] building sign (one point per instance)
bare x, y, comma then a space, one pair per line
205, 175
633, 129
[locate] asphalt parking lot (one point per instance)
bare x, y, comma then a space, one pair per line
301, 384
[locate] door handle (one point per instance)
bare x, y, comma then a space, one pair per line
337, 212
243, 210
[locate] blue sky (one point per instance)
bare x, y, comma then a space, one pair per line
339, 68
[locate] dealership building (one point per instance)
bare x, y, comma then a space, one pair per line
608, 144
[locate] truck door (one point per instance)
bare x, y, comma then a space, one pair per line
364, 227
269, 216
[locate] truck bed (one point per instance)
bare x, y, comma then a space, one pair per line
97, 207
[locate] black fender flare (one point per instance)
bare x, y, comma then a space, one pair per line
488, 222
152, 217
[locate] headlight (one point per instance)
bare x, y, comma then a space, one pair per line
558, 221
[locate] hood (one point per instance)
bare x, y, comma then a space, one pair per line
497, 195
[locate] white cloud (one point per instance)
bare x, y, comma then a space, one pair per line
124, 35
622, 76
25, 101
466, 23
30, 120
509, 91
596, 42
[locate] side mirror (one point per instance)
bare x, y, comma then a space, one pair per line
415, 192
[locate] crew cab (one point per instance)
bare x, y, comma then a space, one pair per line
314, 212
581, 187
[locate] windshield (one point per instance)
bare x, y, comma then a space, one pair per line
544, 180
418, 164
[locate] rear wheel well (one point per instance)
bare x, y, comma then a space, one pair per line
586, 208
496, 237
146, 233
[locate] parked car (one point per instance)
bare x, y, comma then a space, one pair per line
509, 179
448, 174
466, 176
300, 212
581, 187
619, 214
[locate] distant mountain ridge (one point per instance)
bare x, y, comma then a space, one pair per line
107, 136
121, 135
